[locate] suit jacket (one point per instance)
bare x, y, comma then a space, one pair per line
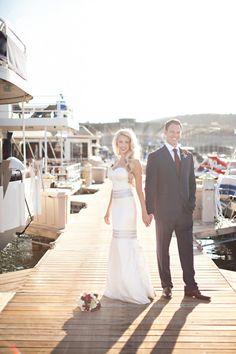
166, 191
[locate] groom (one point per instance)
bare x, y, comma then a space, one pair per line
170, 196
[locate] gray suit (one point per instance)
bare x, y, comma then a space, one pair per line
171, 199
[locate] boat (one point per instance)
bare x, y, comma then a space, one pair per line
47, 142
14, 186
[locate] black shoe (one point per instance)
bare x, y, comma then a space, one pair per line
166, 293
195, 293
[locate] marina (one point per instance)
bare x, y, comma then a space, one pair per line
54, 242
43, 315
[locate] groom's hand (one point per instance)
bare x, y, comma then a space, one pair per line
150, 219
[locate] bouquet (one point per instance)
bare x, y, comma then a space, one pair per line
89, 302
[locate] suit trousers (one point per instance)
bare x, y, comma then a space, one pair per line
182, 224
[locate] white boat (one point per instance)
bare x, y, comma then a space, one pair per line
46, 139
14, 211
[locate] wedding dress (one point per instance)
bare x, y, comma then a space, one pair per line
128, 278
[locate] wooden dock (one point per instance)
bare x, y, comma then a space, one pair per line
43, 317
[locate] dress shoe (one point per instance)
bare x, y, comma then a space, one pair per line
166, 293
195, 293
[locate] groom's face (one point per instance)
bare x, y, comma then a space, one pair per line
173, 134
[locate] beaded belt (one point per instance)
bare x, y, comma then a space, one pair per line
124, 234
122, 193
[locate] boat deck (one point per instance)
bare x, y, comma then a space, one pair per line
43, 317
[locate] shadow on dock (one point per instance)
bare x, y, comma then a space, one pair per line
125, 329
99, 331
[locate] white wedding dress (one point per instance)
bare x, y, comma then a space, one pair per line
128, 278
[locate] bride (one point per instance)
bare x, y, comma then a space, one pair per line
128, 278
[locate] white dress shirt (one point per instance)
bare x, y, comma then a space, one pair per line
170, 148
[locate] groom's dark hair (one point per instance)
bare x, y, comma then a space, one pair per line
172, 121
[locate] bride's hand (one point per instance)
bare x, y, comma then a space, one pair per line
107, 218
147, 219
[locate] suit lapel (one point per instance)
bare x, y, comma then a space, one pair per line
184, 161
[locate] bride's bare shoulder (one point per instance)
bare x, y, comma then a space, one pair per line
136, 164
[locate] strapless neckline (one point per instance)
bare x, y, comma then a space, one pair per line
119, 167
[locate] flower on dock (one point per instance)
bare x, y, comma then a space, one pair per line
89, 302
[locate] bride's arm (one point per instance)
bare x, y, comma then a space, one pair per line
107, 215
137, 172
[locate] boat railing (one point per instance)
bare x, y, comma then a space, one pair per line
35, 112
68, 172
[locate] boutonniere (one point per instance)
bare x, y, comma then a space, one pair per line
184, 154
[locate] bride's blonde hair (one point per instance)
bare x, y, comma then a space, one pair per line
134, 149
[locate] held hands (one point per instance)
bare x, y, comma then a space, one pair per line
147, 219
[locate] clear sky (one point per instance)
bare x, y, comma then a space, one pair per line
143, 59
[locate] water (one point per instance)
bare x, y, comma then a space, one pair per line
222, 250
20, 254
23, 253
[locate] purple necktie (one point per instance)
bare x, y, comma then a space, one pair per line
177, 160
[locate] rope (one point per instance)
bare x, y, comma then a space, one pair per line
27, 205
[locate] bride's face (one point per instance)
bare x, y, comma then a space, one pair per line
123, 145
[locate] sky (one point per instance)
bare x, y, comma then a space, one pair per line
142, 59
